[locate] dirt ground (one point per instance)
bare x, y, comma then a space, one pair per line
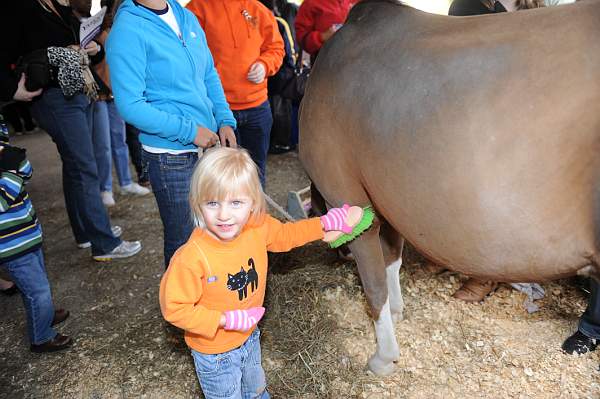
124, 349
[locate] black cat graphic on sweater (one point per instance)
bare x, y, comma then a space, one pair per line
239, 282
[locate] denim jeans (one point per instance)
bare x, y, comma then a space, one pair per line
109, 145
69, 124
170, 177
589, 324
253, 133
29, 274
237, 374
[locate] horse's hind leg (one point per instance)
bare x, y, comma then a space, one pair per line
371, 267
393, 245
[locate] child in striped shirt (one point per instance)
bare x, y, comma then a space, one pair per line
21, 249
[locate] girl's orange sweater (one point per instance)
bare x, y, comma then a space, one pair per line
240, 33
207, 277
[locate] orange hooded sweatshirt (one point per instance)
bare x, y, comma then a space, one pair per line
207, 277
240, 33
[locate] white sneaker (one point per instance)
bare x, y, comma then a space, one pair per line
123, 250
107, 198
116, 230
135, 189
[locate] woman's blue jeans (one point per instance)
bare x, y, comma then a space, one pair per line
253, 133
170, 176
29, 274
110, 145
237, 374
69, 123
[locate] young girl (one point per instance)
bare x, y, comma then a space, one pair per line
214, 287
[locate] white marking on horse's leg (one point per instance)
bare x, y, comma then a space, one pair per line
394, 290
382, 362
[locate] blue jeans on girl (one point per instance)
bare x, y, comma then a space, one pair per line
237, 374
29, 274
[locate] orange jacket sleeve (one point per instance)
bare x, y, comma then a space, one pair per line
180, 292
272, 49
282, 237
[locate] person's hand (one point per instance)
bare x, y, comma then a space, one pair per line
92, 48
342, 219
326, 35
11, 158
205, 137
22, 94
227, 136
242, 320
257, 72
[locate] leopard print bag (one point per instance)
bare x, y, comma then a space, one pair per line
73, 72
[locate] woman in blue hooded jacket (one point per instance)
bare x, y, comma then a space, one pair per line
165, 83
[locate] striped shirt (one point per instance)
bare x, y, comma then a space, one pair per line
20, 231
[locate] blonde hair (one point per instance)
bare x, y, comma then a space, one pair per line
226, 172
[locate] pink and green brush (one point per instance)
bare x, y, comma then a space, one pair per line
344, 224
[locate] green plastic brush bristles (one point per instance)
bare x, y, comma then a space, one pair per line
365, 222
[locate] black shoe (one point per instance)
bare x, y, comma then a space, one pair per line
57, 343
60, 315
579, 343
281, 149
10, 291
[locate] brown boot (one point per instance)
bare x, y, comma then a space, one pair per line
474, 290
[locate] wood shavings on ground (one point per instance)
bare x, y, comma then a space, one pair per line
316, 335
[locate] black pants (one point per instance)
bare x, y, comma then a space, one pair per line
14, 112
135, 151
589, 324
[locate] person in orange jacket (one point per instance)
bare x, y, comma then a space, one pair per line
215, 285
244, 40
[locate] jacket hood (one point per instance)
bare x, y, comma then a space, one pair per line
129, 7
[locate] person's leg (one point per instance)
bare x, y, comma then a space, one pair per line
120, 153
590, 321
29, 273
586, 338
25, 112
11, 115
135, 153
220, 375
253, 132
101, 139
254, 383
295, 128
68, 122
170, 177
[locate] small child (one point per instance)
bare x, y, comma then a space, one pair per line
214, 287
21, 249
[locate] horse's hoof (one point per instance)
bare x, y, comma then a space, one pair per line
380, 366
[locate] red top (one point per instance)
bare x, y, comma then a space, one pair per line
316, 16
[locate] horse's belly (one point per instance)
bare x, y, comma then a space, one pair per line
493, 231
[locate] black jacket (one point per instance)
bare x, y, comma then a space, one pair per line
473, 7
27, 26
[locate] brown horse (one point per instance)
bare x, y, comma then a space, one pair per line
476, 142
